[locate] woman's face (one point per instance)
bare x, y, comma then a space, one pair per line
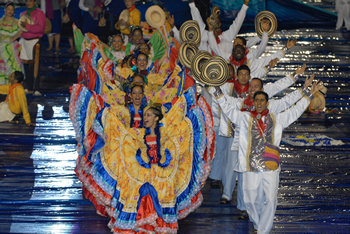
139, 80
141, 62
137, 95
9, 10
144, 48
150, 119
137, 36
117, 43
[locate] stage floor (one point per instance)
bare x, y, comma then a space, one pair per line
40, 193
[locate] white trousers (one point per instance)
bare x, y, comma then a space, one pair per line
343, 11
5, 113
260, 198
221, 147
229, 174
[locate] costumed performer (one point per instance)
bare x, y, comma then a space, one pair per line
9, 47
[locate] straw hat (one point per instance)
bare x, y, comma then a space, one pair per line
48, 26
155, 16
24, 18
319, 102
214, 71
124, 15
267, 15
189, 31
197, 63
186, 53
214, 17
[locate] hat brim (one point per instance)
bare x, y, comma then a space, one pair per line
124, 15
159, 20
214, 71
198, 62
24, 18
273, 23
48, 26
186, 53
189, 31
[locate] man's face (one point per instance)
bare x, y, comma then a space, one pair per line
30, 3
243, 77
260, 103
254, 86
231, 72
129, 3
238, 52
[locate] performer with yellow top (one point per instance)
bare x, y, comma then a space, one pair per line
16, 101
134, 17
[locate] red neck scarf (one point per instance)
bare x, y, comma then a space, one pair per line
131, 8
258, 116
11, 88
248, 102
239, 89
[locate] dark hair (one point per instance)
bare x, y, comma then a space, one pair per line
9, 4
263, 93
110, 38
140, 54
261, 82
136, 85
157, 112
244, 41
149, 48
139, 75
19, 76
243, 67
134, 28
229, 64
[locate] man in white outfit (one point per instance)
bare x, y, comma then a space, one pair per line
261, 170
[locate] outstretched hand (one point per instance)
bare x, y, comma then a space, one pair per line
308, 81
171, 20
246, 2
210, 26
291, 43
273, 62
316, 87
99, 47
265, 25
300, 70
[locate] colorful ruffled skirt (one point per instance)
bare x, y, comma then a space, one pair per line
115, 169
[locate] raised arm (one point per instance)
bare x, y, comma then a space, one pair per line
232, 32
276, 87
287, 101
287, 117
265, 25
231, 112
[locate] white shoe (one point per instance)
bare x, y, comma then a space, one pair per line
28, 91
36, 93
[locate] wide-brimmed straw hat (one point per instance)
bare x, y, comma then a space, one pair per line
124, 15
266, 15
214, 17
197, 63
155, 16
189, 31
24, 18
186, 53
214, 71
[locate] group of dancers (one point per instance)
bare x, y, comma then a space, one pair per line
151, 130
